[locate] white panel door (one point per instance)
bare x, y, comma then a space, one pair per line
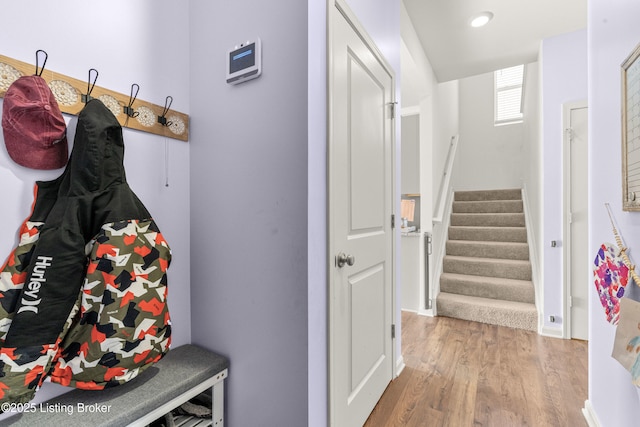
361, 236
579, 276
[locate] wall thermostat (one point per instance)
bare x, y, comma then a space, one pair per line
244, 62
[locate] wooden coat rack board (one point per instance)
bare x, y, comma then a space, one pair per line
69, 91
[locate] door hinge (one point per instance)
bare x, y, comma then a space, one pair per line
393, 221
393, 109
393, 331
570, 301
569, 132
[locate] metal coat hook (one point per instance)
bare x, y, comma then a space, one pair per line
87, 97
128, 110
46, 56
167, 105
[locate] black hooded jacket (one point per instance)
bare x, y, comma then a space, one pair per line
96, 227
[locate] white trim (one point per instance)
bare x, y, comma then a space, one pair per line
546, 331
509, 122
410, 111
399, 366
438, 255
420, 312
440, 222
533, 258
566, 224
590, 415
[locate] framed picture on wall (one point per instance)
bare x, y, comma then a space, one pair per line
631, 132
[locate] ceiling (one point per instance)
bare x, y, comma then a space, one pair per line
456, 50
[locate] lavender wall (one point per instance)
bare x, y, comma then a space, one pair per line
564, 79
255, 212
249, 168
613, 33
259, 203
121, 40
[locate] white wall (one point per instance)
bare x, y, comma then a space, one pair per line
427, 164
437, 104
418, 86
489, 157
414, 86
410, 154
564, 79
446, 117
124, 48
613, 33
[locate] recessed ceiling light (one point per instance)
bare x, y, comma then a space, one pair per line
481, 19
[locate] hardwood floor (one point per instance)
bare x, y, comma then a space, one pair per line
461, 373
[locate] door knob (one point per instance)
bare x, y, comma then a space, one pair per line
343, 259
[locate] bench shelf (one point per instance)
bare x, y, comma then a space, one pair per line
181, 375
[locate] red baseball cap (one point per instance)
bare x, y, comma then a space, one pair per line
35, 132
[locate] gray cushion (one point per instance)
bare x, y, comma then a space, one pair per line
179, 371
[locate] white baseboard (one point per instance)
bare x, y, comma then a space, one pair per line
536, 267
590, 415
420, 312
399, 366
428, 313
551, 332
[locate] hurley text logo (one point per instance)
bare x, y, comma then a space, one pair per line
30, 298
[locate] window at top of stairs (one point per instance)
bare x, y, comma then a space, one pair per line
509, 85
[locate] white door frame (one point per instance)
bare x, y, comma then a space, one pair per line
566, 220
331, 245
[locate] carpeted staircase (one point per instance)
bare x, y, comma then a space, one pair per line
486, 270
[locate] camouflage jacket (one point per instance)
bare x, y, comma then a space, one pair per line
83, 297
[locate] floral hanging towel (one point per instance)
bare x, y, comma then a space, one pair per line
611, 276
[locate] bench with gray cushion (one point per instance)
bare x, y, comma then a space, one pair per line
182, 374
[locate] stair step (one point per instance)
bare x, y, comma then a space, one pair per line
488, 206
488, 234
486, 310
488, 287
490, 267
476, 195
504, 250
488, 219
486, 270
